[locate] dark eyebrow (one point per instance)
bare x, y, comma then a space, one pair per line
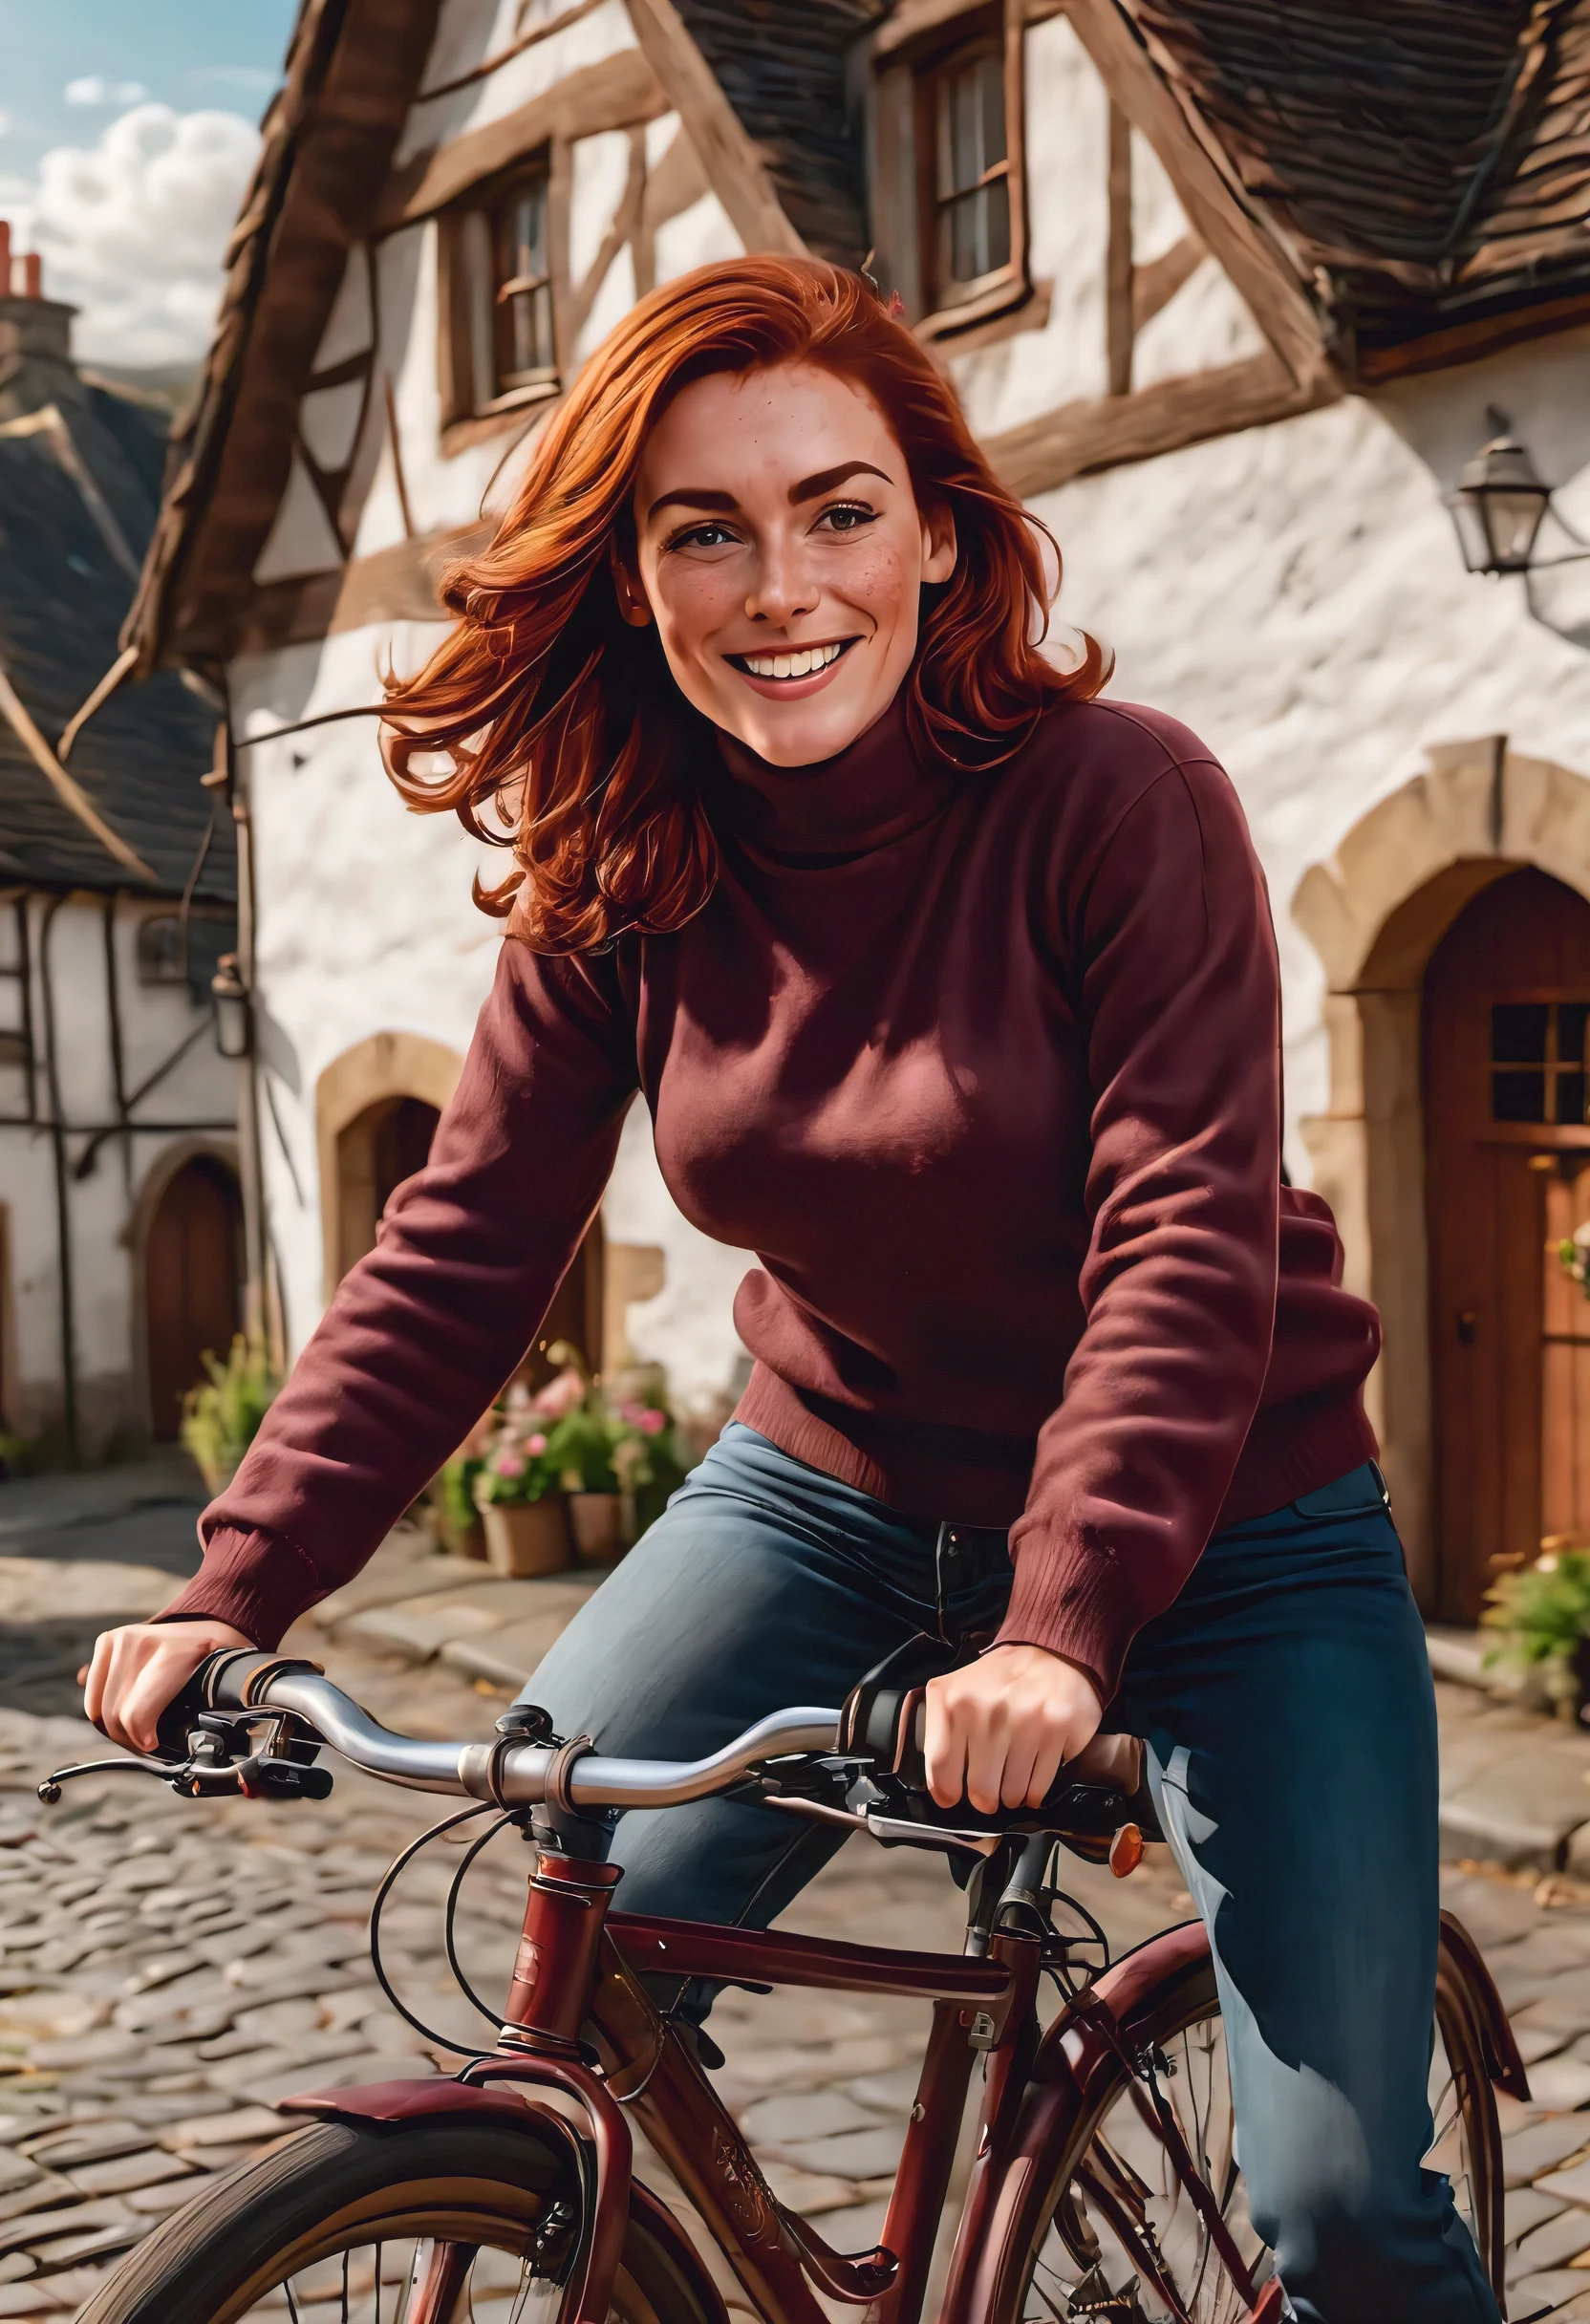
696, 498
812, 487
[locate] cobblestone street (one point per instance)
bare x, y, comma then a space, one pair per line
169, 1971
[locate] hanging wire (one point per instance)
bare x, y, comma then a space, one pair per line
395, 1870
459, 1877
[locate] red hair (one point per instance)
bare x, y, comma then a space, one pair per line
561, 722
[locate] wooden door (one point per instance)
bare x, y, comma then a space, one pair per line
1506, 1013
193, 1270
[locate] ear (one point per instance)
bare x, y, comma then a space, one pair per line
633, 604
940, 550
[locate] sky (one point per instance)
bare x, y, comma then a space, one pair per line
127, 135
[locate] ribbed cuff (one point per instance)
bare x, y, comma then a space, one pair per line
259, 1582
1076, 1602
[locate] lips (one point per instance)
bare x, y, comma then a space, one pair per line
805, 662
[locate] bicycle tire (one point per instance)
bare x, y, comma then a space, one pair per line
357, 2188
1177, 2015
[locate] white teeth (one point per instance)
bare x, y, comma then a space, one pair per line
791, 665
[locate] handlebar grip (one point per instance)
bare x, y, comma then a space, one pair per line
217, 1684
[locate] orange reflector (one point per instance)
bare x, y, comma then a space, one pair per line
1125, 1851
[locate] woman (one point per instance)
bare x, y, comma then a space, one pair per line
952, 993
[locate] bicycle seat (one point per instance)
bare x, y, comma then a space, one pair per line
883, 1718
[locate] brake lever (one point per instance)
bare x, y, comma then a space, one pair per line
214, 1768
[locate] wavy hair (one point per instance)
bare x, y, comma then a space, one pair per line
553, 727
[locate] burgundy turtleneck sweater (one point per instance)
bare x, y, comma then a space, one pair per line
985, 1072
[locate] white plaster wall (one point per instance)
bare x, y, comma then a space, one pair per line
472, 29
200, 1089
1296, 594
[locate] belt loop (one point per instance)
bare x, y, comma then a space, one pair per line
949, 1558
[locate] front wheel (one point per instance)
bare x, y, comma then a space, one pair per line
454, 2221
1115, 2233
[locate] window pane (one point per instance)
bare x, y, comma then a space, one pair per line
1572, 1017
976, 233
992, 72
529, 332
1518, 1096
525, 250
1570, 1096
1519, 1037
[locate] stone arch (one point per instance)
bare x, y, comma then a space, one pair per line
1374, 913
384, 1067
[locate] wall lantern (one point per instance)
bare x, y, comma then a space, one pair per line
1499, 506
230, 999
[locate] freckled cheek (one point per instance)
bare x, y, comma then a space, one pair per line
694, 607
876, 584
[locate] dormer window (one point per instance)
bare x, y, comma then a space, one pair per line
948, 195
521, 294
972, 192
500, 343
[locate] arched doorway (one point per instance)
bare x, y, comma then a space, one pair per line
1507, 1145
375, 1152
193, 1282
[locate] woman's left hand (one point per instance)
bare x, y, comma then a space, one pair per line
1000, 1729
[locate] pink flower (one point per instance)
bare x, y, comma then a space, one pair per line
652, 1424
535, 1444
560, 1396
508, 1463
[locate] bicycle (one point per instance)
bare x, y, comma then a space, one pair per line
1105, 2184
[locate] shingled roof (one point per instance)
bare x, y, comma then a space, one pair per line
781, 64
80, 484
1424, 164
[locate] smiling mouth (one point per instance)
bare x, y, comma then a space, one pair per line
805, 663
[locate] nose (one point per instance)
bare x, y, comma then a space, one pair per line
781, 590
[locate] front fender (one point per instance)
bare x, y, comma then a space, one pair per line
407, 2101
410, 2101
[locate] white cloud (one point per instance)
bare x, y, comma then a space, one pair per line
132, 230
93, 89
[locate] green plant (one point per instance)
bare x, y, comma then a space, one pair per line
1574, 1250
221, 1414
459, 1506
1544, 1611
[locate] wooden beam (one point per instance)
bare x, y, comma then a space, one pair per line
1155, 285
1111, 431
1120, 322
1214, 210
912, 20
612, 94
1467, 342
734, 167
396, 584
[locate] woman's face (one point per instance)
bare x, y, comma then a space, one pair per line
780, 553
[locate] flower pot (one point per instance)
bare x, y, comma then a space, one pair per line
526, 1537
460, 1540
595, 1518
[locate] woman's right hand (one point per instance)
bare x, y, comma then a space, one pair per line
138, 1669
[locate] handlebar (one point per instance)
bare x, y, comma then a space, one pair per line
262, 1682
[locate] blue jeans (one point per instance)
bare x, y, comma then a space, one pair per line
1286, 1703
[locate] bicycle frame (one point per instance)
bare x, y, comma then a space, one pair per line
579, 1969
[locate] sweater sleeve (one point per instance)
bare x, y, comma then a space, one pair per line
1175, 980
423, 1331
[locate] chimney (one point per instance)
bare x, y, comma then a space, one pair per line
29, 323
